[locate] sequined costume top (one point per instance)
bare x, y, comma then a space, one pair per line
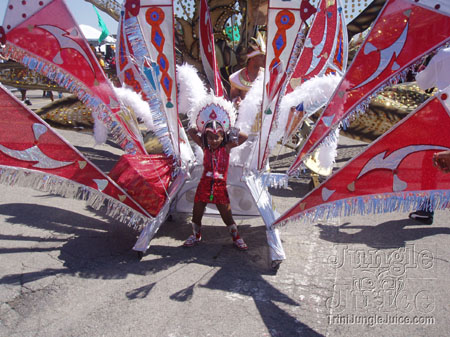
212, 187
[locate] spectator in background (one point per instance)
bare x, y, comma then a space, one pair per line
436, 74
101, 60
49, 94
241, 81
23, 93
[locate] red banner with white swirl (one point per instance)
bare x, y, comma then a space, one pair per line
44, 36
394, 174
404, 32
33, 155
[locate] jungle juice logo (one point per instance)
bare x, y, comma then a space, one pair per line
382, 282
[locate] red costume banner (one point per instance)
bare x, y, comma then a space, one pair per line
207, 51
146, 178
32, 152
396, 41
44, 36
284, 24
319, 43
135, 70
394, 174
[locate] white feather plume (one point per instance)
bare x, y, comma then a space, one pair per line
191, 90
250, 105
312, 93
247, 112
328, 150
134, 101
100, 132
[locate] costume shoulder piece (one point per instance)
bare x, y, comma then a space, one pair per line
238, 81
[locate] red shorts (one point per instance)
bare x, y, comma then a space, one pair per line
220, 193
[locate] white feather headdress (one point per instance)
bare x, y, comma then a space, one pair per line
199, 105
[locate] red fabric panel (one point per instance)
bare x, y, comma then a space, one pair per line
146, 178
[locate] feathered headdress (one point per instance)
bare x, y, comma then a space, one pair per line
199, 105
258, 44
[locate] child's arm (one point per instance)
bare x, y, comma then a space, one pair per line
236, 137
193, 133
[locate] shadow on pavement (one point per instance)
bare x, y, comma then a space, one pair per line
93, 248
389, 234
104, 160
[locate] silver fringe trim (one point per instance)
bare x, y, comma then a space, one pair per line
44, 182
372, 204
275, 180
363, 106
134, 36
62, 78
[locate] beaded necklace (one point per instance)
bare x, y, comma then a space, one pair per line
245, 82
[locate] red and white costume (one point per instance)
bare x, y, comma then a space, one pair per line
212, 187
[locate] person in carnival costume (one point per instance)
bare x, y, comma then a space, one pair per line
242, 80
434, 75
216, 139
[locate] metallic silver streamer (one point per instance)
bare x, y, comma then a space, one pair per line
276, 180
37, 180
371, 204
101, 111
134, 35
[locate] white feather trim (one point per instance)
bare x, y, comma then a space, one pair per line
134, 101
313, 94
327, 151
191, 90
248, 110
250, 105
100, 132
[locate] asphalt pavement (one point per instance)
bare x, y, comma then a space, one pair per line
66, 270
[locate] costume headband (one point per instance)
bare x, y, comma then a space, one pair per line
258, 45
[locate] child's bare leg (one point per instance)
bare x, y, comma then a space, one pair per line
227, 217
225, 213
197, 212
197, 215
